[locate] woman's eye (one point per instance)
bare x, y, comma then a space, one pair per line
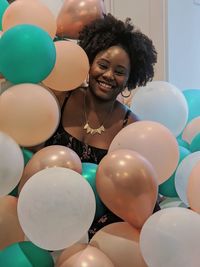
102, 66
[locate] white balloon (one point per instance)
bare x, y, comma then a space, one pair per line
182, 174
11, 164
162, 102
171, 238
56, 208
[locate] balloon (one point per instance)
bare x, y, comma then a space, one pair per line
193, 188
55, 208
71, 68
182, 174
193, 98
191, 130
170, 202
10, 229
75, 14
146, 106
27, 155
25, 254
168, 187
195, 144
28, 54
29, 12
90, 257
89, 173
127, 185
183, 143
54, 6
11, 164
51, 156
68, 252
3, 6
120, 242
57, 254
29, 113
146, 138
171, 237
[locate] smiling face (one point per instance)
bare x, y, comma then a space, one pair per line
109, 73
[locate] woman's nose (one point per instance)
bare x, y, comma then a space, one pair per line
108, 74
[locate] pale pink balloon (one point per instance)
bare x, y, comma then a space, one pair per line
193, 188
90, 257
29, 113
51, 156
75, 14
191, 130
71, 67
120, 242
153, 141
29, 12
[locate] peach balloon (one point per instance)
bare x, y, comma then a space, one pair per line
153, 141
191, 130
10, 229
90, 257
29, 12
29, 113
75, 14
71, 67
51, 156
193, 192
68, 252
127, 184
120, 242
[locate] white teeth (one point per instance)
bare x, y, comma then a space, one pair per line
105, 85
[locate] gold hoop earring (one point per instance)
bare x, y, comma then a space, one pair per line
127, 95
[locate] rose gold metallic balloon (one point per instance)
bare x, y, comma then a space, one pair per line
90, 256
120, 242
10, 229
75, 14
127, 184
51, 156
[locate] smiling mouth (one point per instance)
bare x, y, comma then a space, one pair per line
105, 86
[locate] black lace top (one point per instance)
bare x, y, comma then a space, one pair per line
87, 153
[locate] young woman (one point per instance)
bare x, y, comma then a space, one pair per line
120, 57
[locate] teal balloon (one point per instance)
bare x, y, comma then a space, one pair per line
195, 144
27, 154
3, 6
167, 188
193, 99
183, 143
89, 173
25, 254
27, 54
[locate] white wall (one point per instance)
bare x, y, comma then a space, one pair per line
184, 44
149, 17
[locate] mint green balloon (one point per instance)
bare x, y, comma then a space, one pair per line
89, 173
27, 54
195, 144
27, 155
167, 188
3, 6
183, 143
25, 254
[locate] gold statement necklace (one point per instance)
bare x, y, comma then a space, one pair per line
88, 128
